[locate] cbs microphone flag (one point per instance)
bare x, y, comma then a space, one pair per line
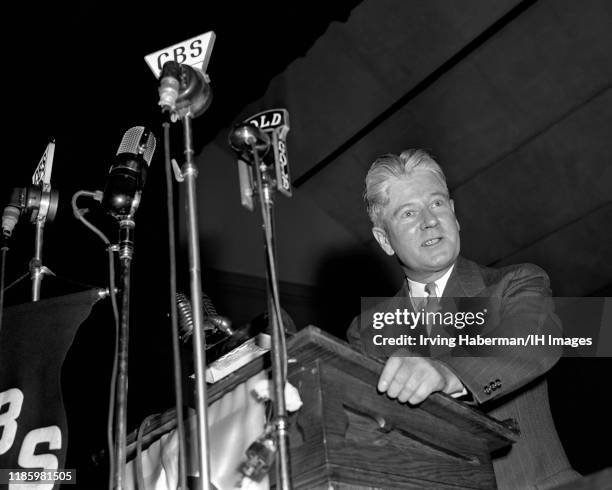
194, 52
42, 174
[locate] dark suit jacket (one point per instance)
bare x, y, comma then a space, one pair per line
507, 381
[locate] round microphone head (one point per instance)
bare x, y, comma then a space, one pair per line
244, 136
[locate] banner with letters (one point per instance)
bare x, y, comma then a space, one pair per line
34, 341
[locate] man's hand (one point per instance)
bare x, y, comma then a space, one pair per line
412, 379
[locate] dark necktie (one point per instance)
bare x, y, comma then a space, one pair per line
430, 303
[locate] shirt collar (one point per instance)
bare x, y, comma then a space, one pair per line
417, 289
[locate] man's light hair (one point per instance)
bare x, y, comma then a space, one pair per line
388, 167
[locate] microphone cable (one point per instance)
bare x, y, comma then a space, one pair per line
272, 277
80, 215
176, 349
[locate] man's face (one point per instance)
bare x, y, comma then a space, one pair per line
419, 225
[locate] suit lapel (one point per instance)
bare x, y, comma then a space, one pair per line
464, 282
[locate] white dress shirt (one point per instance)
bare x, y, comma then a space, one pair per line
417, 289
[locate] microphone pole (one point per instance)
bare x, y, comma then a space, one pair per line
253, 144
279, 354
121, 199
43, 203
36, 267
37, 270
126, 253
190, 174
4, 248
185, 93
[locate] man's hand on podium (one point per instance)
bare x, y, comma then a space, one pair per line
411, 378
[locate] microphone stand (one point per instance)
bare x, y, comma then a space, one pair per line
279, 350
4, 248
188, 97
36, 268
47, 207
126, 253
120, 199
190, 173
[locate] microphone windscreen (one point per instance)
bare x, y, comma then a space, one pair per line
138, 140
185, 320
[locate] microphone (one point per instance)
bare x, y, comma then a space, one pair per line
267, 132
212, 318
128, 173
31, 201
242, 139
169, 85
244, 136
12, 211
183, 88
275, 123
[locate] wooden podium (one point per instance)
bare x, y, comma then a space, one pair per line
347, 435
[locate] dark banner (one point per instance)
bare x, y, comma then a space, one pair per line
34, 340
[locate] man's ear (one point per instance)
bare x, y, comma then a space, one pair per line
452, 205
381, 237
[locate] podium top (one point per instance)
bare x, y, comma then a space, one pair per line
311, 344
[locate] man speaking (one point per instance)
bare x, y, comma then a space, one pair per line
414, 219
